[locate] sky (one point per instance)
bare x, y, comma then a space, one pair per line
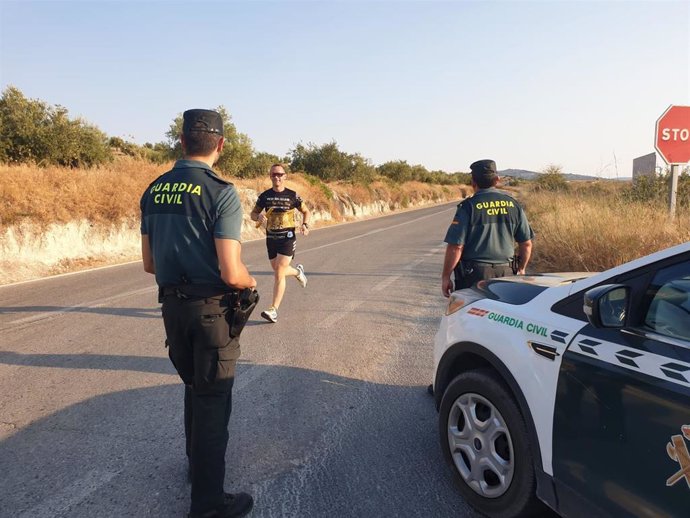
578, 84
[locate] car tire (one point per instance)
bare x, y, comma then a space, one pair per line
484, 439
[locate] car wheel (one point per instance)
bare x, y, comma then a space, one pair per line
484, 439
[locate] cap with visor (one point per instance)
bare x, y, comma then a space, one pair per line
207, 121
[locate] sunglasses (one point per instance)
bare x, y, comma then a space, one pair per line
277, 175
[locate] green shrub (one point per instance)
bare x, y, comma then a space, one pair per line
551, 179
316, 182
34, 132
655, 189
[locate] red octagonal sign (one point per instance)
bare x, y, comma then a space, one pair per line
673, 135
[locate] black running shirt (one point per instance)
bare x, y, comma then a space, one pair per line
280, 212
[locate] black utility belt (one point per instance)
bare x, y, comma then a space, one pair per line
194, 291
485, 265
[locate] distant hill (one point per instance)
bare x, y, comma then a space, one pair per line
523, 174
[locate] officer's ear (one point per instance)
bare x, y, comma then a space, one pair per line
221, 143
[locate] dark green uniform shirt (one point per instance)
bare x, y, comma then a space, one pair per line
487, 225
182, 212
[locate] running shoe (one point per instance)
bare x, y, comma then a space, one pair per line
271, 314
301, 277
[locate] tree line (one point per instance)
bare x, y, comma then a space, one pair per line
34, 132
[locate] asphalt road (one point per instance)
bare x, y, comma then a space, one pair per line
330, 413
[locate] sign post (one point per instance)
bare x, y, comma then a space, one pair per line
672, 141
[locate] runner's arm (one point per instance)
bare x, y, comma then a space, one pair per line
256, 214
304, 228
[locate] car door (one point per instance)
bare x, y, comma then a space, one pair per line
622, 417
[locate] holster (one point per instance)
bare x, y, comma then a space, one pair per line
241, 307
464, 269
515, 264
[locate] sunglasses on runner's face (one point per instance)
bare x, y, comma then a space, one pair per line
277, 175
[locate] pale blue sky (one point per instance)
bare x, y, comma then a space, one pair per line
577, 84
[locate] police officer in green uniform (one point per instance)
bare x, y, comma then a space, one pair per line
190, 237
481, 238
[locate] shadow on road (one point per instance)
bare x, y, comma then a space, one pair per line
305, 443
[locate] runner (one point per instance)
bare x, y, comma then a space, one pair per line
276, 208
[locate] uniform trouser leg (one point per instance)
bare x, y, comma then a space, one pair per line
204, 355
211, 413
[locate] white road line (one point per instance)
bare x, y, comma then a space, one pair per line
414, 264
385, 283
371, 232
92, 304
338, 314
71, 495
435, 250
349, 308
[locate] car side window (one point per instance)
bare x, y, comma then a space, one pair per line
668, 296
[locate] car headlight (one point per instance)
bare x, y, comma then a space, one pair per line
460, 299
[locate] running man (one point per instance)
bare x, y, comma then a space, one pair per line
276, 208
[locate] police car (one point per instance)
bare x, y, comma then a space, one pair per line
570, 390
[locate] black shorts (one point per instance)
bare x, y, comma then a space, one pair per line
281, 246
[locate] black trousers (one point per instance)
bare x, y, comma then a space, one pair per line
204, 355
469, 273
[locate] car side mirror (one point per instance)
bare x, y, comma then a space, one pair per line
607, 306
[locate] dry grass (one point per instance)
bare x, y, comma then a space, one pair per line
593, 229
589, 228
109, 194
58, 195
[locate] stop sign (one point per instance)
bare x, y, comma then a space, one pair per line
672, 139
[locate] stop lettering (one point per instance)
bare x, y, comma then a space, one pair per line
672, 139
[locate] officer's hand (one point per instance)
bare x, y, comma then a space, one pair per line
446, 286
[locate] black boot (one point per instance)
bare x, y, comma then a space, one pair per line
234, 506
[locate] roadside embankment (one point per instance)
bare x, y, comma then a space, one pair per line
57, 220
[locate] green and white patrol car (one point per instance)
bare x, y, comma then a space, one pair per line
570, 390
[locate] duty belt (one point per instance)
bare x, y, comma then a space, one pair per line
194, 291
483, 264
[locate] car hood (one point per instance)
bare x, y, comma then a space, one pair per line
520, 289
547, 280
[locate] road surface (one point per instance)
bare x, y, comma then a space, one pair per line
330, 412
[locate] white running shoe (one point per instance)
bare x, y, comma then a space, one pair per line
271, 314
301, 277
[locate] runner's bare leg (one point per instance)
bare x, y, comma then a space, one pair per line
281, 269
